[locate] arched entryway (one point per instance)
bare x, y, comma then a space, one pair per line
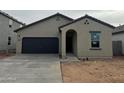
71, 42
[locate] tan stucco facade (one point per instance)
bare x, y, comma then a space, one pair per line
48, 28
84, 39
82, 36
6, 31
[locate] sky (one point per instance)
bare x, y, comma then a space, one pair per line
113, 17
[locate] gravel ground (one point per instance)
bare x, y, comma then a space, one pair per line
99, 71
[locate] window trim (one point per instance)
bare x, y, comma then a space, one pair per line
95, 48
95, 31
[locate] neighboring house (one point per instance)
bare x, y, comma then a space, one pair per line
83, 37
7, 35
118, 35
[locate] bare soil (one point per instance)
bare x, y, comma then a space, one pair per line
4, 55
104, 71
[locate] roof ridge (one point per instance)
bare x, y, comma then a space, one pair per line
44, 20
102, 21
11, 17
87, 16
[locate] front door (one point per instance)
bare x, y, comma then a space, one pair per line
69, 45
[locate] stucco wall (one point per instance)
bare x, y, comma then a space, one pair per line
48, 28
6, 31
84, 38
119, 37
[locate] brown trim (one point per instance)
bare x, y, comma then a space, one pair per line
92, 18
57, 14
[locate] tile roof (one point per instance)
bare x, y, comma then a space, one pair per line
10, 17
42, 20
92, 18
118, 30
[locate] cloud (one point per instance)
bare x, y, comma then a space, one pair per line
28, 16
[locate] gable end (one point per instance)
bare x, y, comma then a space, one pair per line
89, 17
58, 14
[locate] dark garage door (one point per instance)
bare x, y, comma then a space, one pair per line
40, 45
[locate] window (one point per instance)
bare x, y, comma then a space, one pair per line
9, 40
10, 23
95, 39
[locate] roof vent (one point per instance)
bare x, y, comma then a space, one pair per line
86, 22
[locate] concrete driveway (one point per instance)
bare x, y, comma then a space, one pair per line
30, 68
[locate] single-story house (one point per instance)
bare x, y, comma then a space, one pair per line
7, 35
118, 38
83, 37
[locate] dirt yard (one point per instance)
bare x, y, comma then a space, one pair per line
104, 71
4, 55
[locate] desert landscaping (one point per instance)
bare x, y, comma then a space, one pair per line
95, 71
91, 71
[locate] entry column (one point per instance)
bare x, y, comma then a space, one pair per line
63, 44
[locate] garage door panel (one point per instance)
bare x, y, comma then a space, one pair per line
40, 45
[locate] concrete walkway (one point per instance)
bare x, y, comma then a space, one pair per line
70, 58
30, 69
